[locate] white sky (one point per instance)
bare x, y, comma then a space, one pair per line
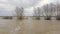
53, 1
9, 5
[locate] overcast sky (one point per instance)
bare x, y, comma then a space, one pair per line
53, 1
10, 5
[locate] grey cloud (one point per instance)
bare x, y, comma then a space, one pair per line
53, 1
24, 3
9, 5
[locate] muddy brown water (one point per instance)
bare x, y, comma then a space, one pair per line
29, 26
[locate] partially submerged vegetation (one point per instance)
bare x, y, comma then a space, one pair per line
48, 18
58, 18
20, 18
37, 13
7, 17
38, 18
19, 12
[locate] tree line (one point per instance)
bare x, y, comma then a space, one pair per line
48, 10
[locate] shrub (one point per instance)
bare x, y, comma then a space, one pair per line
58, 18
20, 18
7, 18
48, 18
38, 18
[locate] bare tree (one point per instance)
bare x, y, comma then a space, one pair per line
49, 10
37, 13
58, 11
46, 11
19, 12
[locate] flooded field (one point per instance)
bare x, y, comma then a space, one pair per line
29, 26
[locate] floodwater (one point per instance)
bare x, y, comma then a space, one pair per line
29, 26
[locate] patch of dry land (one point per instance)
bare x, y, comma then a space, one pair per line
13, 26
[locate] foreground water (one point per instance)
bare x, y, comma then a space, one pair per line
29, 26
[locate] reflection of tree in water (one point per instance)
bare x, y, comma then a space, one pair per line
18, 29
